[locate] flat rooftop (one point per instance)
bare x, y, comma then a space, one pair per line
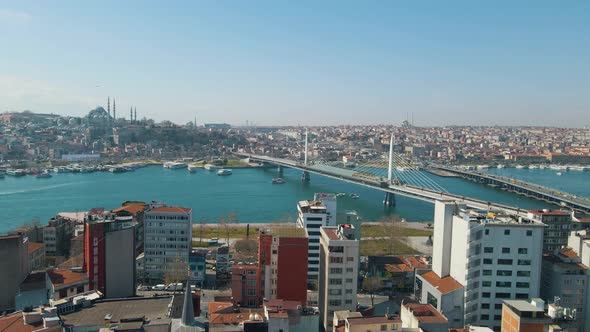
284, 231
312, 207
155, 311
520, 306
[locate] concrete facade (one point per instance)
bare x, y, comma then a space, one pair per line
15, 265
119, 263
338, 277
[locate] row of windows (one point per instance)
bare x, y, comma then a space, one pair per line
505, 284
166, 239
151, 217
167, 225
507, 273
502, 295
490, 250
507, 232
337, 281
163, 231
166, 246
501, 261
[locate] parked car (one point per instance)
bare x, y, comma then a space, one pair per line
143, 288
174, 286
159, 287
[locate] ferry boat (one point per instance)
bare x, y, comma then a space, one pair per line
174, 165
192, 168
117, 169
211, 167
224, 171
16, 172
44, 175
558, 173
519, 166
278, 181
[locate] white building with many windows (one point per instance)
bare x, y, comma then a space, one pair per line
167, 241
339, 256
494, 257
311, 216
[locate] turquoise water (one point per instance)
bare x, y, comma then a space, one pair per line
248, 192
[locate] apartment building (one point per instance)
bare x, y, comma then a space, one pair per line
338, 276
311, 216
559, 224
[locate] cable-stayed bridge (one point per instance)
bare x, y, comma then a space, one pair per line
393, 174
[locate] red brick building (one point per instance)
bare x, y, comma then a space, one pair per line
282, 264
244, 286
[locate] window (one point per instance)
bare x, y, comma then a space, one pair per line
487, 232
485, 305
432, 300
522, 295
488, 250
486, 284
506, 232
502, 295
484, 317
335, 259
487, 261
529, 233
523, 273
348, 301
349, 280
251, 292
383, 327
505, 250
504, 273
336, 270
335, 302
335, 291
522, 285
523, 251
335, 282
487, 272
348, 291
485, 294
503, 284
504, 262
524, 262
350, 259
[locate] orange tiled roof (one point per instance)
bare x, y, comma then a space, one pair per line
224, 313
398, 268
15, 323
171, 209
34, 246
444, 285
131, 208
426, 313
63, 277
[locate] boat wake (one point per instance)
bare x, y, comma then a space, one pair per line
26, 191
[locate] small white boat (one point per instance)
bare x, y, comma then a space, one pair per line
340, 194
482, 166
519, 166
278, 181
542, 166
501, 166
16, 172
224, 171
174, 165
44, 175
577, 168
211, 167
354, 196
558, 173
533, 166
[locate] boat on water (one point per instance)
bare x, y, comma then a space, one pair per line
117, 169
340, 194
501, 166
174, 165
192, 168
211, 167
558, 173
542, 166
354, 196
533, 166
482, 166
577, 168
278, 181
16, 172
44, 175
519, 166
224, 171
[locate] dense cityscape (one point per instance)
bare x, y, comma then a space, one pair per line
327, 270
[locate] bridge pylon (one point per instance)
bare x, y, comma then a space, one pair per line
280, 170
389, 199
305, 176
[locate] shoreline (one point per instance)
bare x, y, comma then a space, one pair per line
419, 225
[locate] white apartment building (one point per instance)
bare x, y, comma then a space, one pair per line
339, 256
494, 257
329, 200
311, 216
167, 241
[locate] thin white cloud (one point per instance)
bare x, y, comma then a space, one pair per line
18, 93
14, 16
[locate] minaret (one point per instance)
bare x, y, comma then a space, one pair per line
135, 114
131, 115
114, 110
109, 106
188, 314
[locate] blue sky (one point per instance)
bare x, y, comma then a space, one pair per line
302, 62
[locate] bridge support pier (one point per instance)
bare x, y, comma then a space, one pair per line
280, 171
389, 199
305, 176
